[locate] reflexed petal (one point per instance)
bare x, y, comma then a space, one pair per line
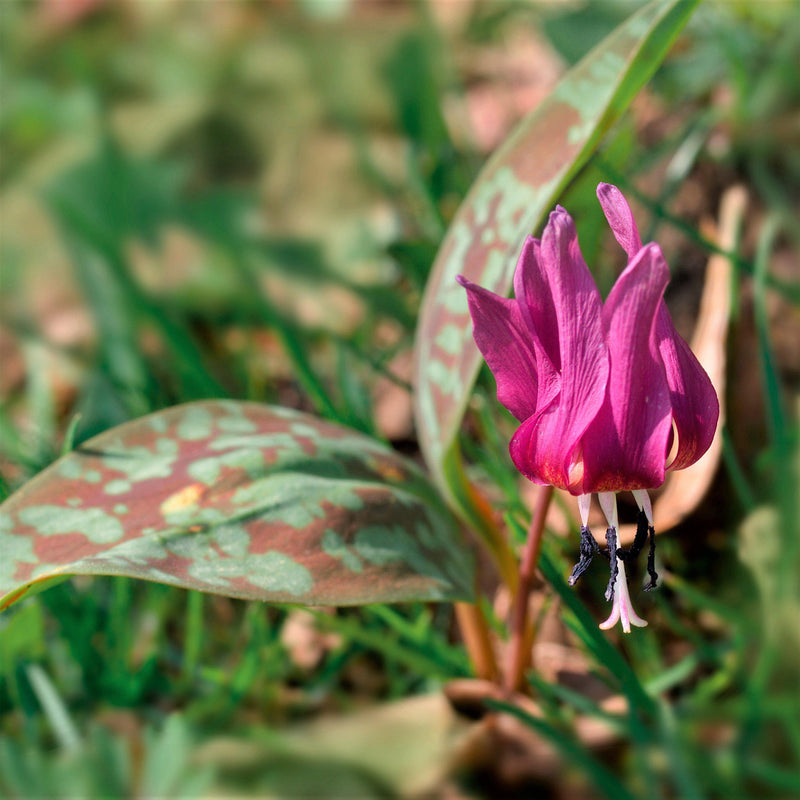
507, 345
620, 218
546, 448
625, 446
695, 407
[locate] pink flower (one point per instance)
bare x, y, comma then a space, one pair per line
608, 395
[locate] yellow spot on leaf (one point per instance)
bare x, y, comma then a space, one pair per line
183, 498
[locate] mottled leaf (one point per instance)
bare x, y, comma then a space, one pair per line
239, 499
516, 188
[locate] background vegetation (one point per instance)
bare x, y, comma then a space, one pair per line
267, 185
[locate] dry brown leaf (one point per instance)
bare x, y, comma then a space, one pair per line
509, 750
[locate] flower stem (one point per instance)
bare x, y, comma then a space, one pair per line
521, 636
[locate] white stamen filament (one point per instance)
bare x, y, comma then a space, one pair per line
643, 501
584, 502
608, 502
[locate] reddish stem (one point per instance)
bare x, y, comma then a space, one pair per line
521, 639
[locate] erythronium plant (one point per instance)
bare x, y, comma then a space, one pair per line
608, 395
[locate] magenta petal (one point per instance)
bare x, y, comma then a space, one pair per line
620, 218
535, 300
532, 291
695, 407
625, 446
525, 447
546, 447
507, 345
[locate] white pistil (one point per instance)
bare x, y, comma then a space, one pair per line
622, 610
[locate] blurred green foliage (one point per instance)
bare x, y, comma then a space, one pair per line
211, 180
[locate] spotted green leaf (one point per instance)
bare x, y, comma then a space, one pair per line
239, 499
516, 188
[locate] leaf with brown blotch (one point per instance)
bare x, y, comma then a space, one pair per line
239, 499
